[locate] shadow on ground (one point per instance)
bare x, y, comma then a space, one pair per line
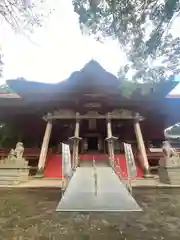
30, 214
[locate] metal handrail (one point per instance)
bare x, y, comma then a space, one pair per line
119, 168
95, 177
119, 173
131, 167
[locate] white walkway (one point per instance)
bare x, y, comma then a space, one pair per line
111, 194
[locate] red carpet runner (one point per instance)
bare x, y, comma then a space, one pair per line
121, 161
53, 168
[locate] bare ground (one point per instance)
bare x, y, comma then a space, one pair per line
30, 214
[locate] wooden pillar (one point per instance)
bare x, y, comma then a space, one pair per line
76, 134
100, 144
110, 141
109, 137
141, 146
76, 139
109, 129
44, 147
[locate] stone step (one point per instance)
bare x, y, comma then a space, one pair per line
7, 182
12, 173
12, 181
13, 177
9, 177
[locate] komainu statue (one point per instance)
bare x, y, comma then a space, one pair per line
15, 159
168, 151
19, 150
169, 165
171, 157
17, 153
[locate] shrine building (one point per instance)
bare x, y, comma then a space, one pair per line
90, 112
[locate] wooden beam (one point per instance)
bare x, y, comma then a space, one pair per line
87, 117
80, 117
117, 114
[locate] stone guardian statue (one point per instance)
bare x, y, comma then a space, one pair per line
170, 156
17, 153
19, 150
168, 151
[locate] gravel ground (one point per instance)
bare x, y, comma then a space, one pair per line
30, 214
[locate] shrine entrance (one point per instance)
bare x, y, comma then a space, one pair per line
92, 144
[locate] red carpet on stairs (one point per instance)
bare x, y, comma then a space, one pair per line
53, 168
121, 161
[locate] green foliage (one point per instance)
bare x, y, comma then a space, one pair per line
130, 88
23, 14
142, 29
127, 88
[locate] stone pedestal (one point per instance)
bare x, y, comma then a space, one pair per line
13, 171
169, 170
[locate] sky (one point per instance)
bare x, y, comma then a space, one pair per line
58, 48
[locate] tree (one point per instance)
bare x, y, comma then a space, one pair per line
142, 28
22, 16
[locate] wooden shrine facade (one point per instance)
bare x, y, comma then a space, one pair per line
90, 111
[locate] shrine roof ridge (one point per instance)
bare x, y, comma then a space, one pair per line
89, 79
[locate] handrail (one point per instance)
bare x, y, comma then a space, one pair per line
119, 172
118, 168
95, 177
131, 165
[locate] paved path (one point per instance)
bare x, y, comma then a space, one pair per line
111, 194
